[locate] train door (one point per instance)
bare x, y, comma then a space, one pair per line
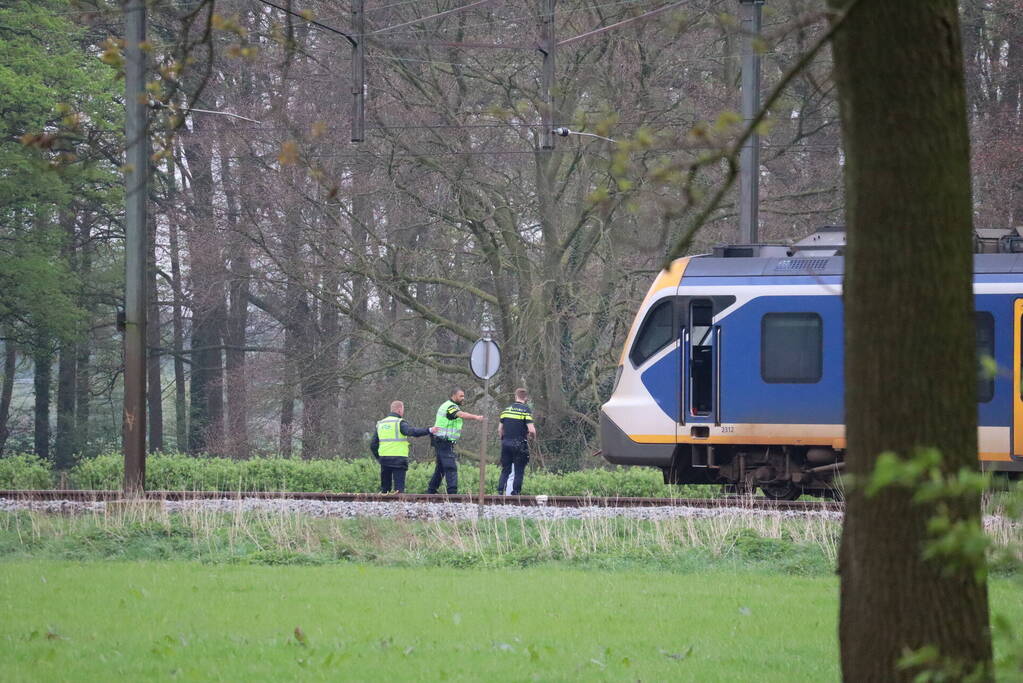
1017, 379
702, 348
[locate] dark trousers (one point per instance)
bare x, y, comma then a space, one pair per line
447, 466
513, 454
392, 468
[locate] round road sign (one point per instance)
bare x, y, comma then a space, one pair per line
485, 358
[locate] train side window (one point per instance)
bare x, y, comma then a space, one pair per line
985, 323
791, 348
656, 332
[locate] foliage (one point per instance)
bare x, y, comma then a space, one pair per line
57, 109
176, 471
24, 472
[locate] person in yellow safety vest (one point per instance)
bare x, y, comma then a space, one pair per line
449, 429
390, 446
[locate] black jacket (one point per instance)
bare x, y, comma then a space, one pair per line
404, 427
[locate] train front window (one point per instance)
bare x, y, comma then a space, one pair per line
655, 333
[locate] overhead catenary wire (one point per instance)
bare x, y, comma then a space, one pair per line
305, 17
682, 121
177, 4
318, 24
438, 15
645, 15
393, 4
499, 20
584, 148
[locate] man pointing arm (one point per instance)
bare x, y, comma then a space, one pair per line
449, 430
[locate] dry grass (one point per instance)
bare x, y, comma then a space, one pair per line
213, 533
405, 540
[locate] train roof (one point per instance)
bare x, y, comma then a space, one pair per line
714, 266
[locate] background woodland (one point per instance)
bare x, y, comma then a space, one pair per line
301, 281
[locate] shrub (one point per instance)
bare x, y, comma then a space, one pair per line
22, 471
180, 472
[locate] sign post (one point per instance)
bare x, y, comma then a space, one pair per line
484, 361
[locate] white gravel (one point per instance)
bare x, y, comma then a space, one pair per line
423, 511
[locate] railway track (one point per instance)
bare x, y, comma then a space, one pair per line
748, 502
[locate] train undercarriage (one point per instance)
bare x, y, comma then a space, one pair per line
780, 472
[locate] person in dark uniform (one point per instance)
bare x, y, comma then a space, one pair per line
448, 430
515, 429
390, 446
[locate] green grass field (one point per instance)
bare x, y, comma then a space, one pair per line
137, 593
162, 620
96, 621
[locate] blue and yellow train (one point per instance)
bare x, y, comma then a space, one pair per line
732, 372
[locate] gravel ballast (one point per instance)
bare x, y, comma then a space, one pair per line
416, 510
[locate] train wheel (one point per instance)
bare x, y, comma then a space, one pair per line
785, 490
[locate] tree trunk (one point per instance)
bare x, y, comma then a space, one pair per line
7, 391
328, 365
207, 405
154, 394
83, 361
288, 395
177, 324
64, 442
900, 75
311, 379
83, 396
43, 358
237, 433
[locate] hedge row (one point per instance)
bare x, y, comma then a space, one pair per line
24, 472
175, 471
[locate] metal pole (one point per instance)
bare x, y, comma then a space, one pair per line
358, 72
547, 47
749, 159
483, 439
136, 195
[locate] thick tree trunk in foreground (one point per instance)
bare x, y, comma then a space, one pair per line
910, 346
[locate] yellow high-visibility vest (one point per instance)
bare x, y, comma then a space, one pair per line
448, 429
392, 442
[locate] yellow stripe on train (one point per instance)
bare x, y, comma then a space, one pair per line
836, 443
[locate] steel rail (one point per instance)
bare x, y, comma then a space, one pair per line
525, 501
